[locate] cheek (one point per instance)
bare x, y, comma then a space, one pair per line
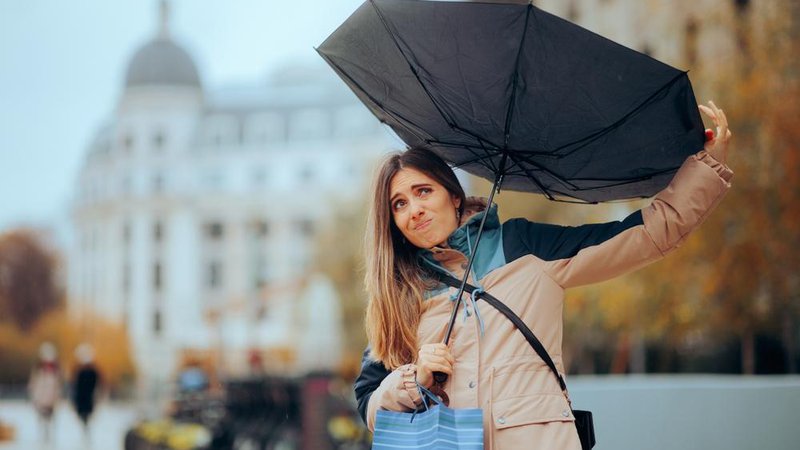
400, 221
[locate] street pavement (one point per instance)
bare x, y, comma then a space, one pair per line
638, 412
108, 427
687, 412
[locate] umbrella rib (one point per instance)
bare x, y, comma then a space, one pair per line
496, 170
532, 177
411, 66
532, 162
590, 138
576, 188
490, 153
510, 109
620, 182
473, 135
478, 158
395, 115
453, 144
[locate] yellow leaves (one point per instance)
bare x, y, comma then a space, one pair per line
18, 349
173, 435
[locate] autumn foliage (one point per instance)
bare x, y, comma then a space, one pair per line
28, 284
19, 349
33, 311
728, 300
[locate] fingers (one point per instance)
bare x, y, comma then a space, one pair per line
431, 366
719, 118
436, 352
433, 358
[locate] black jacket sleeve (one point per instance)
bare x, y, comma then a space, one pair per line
551, 242
372, 373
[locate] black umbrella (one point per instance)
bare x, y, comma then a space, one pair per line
576, 116
511, 93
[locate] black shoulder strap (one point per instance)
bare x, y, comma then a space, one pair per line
506, 311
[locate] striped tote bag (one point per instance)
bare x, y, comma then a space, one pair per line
436, 428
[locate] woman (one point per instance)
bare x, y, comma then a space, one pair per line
422, 222
44, 387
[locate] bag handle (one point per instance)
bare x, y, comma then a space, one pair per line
514, 318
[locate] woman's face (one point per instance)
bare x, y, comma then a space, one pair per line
423, 210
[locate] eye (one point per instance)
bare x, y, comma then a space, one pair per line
398, 204
425, 191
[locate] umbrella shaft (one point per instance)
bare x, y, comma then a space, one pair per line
497, 181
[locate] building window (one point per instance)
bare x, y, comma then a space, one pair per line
310, 124
215, 230
157, 276
221, 130
128, 142
159, 182
157, 325
214, 276
126, 277
354, 121
126, 233
259, 272
158, 231
306, 173
260, 228
264, 128
305, 227
159, 140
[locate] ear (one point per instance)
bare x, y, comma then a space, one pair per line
456, 201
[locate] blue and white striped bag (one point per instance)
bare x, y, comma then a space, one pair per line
439, 427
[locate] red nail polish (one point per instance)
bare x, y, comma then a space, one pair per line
709, 135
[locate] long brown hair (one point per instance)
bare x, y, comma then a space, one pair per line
394, 281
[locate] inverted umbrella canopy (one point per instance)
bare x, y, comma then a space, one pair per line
508, 89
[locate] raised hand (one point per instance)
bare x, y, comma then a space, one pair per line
716, 142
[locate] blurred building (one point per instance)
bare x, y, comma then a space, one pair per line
197, 211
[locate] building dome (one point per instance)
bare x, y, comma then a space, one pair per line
162, 62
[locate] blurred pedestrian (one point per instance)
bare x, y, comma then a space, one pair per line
44, 387
193, 379
87, 382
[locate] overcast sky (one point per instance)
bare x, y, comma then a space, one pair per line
62, 66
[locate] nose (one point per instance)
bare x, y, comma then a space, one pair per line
417, 209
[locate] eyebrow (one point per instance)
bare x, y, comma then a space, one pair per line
413, 187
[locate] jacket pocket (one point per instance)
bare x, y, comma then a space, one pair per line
530, 409
523, 376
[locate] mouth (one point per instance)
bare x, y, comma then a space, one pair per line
422, 225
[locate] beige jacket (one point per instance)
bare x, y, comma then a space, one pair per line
528, 266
